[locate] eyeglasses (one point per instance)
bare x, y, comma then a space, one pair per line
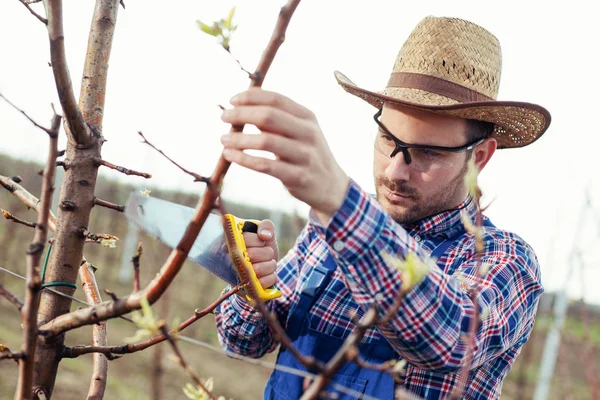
421, 157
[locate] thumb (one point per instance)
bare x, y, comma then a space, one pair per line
266, 231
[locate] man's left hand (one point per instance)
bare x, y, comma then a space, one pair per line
304, 163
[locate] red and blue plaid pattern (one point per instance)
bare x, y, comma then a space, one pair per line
429, 330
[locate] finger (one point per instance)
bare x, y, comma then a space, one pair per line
257, 96
267, 119
283, 147
266, 231
268, 281
252, 240
265, 268
260, 254
285, 172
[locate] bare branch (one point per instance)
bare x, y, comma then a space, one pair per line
72, 352
34, 284
197, 177
99, 334
173, 264
17, 220
123, 170
77, 127
342, 355
104, 203
10, 297
136, 268
38, 16
96, 237
48, 131
27, 198
5, 353
95, 71
183, 363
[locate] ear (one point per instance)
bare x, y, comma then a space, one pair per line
483, 152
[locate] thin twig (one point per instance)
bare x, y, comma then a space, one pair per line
239, 63
135, 260
178, 255
6, 354
10, 297
27, 198
76, 351
342, 355
182, 362
95, 237
197, 177
104, 203
34, 283
38, 16
123, 170
48, 131
17, 220
99, 333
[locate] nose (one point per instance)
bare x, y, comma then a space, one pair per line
398, 169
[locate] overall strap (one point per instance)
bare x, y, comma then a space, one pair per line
443, 246
318, 279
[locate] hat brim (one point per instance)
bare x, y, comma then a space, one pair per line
518, 124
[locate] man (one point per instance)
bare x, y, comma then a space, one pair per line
437, 112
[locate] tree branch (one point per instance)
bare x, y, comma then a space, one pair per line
172, 265
95, 70
123, 170
136, 268
17, 220
183, 363
197, 177
10, 297
99, 334
77, 127
27, 198
341, 356
95, 237
73, 352
38, 16
104, 203
34, 284
48, 131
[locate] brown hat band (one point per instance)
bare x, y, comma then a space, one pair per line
435, 85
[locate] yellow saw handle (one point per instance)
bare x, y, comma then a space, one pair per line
234, 229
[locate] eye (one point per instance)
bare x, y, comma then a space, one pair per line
429, 153
385, 136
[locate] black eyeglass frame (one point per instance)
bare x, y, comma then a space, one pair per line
403, 147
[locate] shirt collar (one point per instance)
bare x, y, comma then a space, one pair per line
445, 224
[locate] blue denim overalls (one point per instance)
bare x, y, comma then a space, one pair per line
286, 386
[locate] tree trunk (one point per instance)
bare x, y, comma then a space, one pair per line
77, 190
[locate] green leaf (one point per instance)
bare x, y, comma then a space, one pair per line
207, 29
230, 18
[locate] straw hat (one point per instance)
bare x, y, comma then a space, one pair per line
452, 67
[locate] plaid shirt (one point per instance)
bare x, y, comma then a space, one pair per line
430, 328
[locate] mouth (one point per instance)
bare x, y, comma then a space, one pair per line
396, 196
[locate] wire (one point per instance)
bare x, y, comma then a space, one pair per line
254, 361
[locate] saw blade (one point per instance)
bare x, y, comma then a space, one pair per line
168, 221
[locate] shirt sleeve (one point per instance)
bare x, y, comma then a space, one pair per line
242, 329
430, 328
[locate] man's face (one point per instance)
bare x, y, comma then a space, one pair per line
412, 192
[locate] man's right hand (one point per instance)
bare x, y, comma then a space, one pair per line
264, 253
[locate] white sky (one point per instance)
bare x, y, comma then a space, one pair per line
166, 79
